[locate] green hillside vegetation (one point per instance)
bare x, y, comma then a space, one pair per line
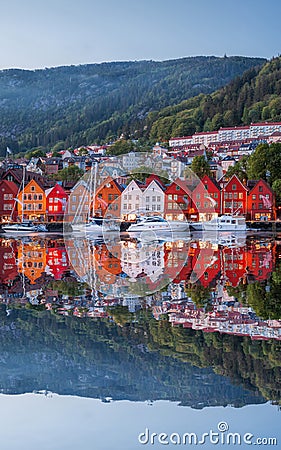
79, 105
254, 96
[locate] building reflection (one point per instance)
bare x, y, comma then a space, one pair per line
198, 284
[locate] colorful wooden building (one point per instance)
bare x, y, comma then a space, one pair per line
56, 200
8, 206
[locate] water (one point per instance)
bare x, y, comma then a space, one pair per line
103, 341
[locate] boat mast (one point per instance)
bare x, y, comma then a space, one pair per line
94, 190
23, 178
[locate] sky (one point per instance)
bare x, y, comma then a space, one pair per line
48, 33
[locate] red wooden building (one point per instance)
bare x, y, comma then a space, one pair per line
260, 201
234, 197
206, 199
8, 207
56, 199
177, 200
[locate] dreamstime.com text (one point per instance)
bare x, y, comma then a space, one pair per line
221, 436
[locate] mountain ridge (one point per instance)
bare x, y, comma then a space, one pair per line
90, 103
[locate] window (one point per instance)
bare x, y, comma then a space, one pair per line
110, 197
137, 197
240, 195
40, 206
73, 198
55, 207
50, 208
125, 197
215, 195
226, 195
129, 206
170, 197
177, 188
253, 206
158, 207
206, 204
5, 196
235, 195
260, 205
130, 197
198, 204
125, 205
32, 188
147, 199
175, 197
254, 196
260, 188
40, 197
158, 198
198, 196
234, 187
170, 205
154, 198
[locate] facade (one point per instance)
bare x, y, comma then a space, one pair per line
177, 200
205, 137
8, 207
32, 202
131, 201
233, 133
229, 134
79, 202
261, 202
153, 198
56, 200
108, 199
234, 197
206, 199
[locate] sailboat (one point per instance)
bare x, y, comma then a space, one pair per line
92, 225
24, 227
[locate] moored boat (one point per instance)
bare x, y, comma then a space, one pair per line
225, 223
157, 223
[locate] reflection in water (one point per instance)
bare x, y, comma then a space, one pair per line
166, 316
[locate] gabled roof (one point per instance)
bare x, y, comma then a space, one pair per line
10, 185
252, 184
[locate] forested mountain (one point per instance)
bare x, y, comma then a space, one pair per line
251, 97
83, 104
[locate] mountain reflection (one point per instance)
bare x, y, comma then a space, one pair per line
197, 321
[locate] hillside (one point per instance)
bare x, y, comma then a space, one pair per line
83, 104
251, 97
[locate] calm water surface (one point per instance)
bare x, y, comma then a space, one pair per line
104, 341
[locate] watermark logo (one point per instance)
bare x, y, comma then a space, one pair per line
219, 436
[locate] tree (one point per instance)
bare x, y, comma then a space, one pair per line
239, 169
265, 163
71, 173
200, 166
120, 148
276, 186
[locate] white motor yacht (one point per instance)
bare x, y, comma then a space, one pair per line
225, 223
157, 223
